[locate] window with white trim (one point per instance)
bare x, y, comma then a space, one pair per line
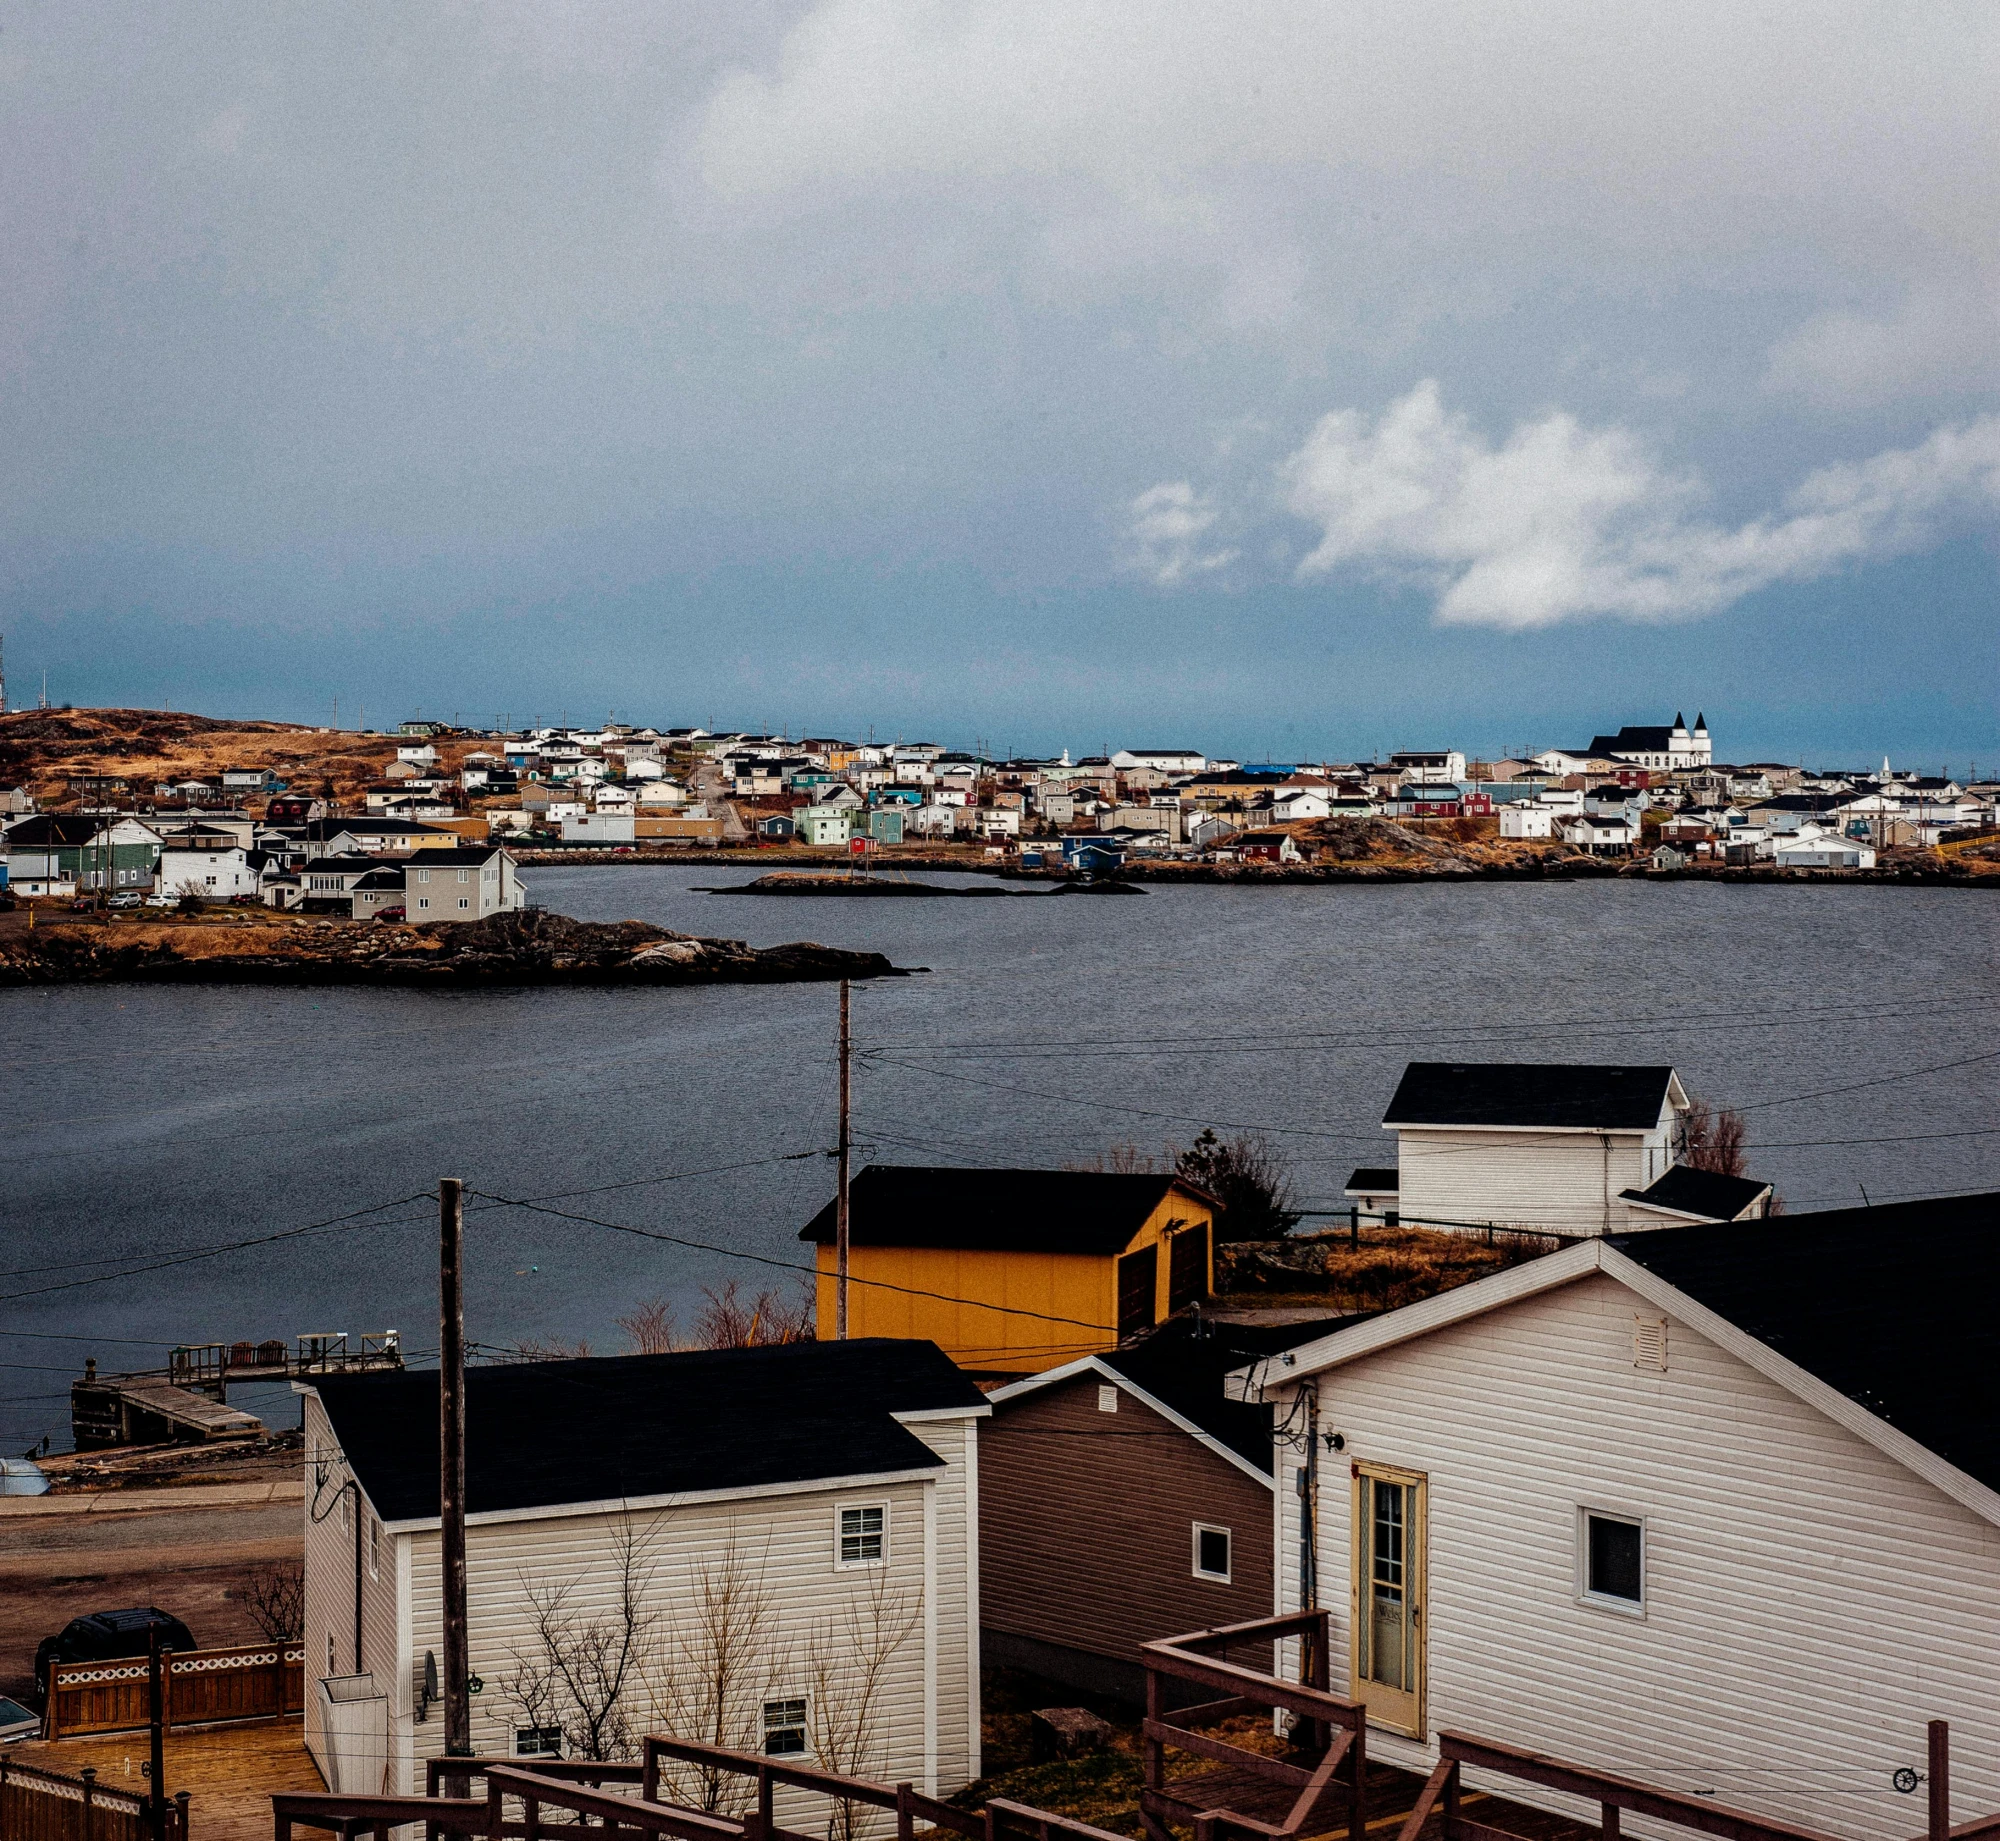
374, 1548
1611, 1560
1211, 1552
538, 1742
864, 1535
785, 1728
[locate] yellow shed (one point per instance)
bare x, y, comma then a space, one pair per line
1014, 1271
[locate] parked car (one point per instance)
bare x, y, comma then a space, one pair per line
16, 1722
162, 901
131, 898
108, 1636
391, 914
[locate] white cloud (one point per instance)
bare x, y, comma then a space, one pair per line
1164, 534
1562, 522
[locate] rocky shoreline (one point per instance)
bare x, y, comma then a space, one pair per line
529, 948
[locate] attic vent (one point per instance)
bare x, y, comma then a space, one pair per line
1107, 1399
1649, 1343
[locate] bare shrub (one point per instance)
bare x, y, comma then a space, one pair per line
651, 1328
548, 1349
710, 1677
1712, 1140
575, 1671
1249, 1179
729, 1320
275, 1597
847, 1672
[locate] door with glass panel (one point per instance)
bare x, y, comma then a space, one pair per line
1388, 1622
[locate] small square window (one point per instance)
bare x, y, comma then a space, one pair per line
785, 1728
538, 1742
1211, 1553
1614, 1560
861, 1532
1107, 1399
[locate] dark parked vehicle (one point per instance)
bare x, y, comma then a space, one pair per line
108, 1636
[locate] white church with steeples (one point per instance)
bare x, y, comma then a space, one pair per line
1668, 750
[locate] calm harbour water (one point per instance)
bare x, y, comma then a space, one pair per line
145, 1124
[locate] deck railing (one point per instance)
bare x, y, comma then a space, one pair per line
1252, 1793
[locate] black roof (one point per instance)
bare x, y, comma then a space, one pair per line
1569, 1096
1689, 1191
1633, 739
59, 830
1891, 1306
607, 1428
1373, 1179
1183, 1363
319, 829
1013, 1211
448, 855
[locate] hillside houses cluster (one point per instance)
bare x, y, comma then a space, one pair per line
362, 867
1669, 1500
1654, 792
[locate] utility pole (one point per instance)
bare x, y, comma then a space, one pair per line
451, 1472
840, 1232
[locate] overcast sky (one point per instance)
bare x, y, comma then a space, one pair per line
1276, 379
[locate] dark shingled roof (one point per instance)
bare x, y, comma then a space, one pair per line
539, 1434
1183, 1364
1558, 1096
1891, 1306
1699, 1192
1373, 1179
1008, 1211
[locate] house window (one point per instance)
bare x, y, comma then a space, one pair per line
785, 1728
1211, 1552
1613, 1552
862, 1535
423, 901
463, 903
464, 875
329, 1652
538, 1742
374, 1549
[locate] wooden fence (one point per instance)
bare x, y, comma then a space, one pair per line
257, 1681
38, 1805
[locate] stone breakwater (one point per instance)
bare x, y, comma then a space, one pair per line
531, 948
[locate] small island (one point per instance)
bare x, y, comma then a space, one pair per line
530, 947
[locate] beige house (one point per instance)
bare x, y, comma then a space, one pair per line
1715, 1507
830, 1487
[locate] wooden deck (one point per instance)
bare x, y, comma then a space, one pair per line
230, 1772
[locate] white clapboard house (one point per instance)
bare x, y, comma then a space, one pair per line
827, 1489
1713, 1507
1566, 1148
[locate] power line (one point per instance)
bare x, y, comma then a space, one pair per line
358, 1218
785, 1265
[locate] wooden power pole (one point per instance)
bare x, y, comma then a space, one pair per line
451, 1472
840, 1232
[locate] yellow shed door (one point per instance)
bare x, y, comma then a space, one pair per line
1388, 1622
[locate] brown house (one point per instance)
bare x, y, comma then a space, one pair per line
1122, 1497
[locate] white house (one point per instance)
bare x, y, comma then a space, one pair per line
1523, 818
1558, 1147
833, 1483
1667, 750
1600, 835
1164, 760
220, 874
1813, 848
1715, 1508
1429, 767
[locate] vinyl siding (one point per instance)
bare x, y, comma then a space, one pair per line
1087, 1521
1559, 1180
957, 1632
329, 1560
1809, 1603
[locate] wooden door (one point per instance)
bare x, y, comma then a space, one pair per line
1388, 1597
1138, 1277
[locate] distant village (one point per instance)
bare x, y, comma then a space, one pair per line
438, 831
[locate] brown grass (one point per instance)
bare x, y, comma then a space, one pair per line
1382, 1269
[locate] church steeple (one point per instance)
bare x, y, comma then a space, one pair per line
1680, 721
1700, 723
